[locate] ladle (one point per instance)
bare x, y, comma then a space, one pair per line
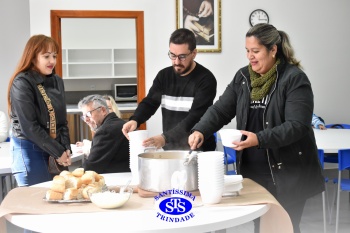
122, 189
189, 157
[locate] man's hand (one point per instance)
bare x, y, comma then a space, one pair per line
322, 127
155, 141
129, 127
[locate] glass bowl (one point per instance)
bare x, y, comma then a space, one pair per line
111, 198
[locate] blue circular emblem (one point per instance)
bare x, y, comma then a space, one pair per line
175, 205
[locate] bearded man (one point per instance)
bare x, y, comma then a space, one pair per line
184, 91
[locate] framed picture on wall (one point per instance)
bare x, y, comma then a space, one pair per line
203, 17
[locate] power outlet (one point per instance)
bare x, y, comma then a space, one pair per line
92, 87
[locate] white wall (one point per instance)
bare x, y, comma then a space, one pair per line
318, 31
14, 29
76, 35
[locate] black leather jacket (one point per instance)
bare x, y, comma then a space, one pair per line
29, 114
109, 152
287, 137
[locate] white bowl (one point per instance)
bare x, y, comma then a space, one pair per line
233, 187
230, 135
210, 154
233, 178
111, 198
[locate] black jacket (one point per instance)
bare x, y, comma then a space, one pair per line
29, 114
109, 151
287, 137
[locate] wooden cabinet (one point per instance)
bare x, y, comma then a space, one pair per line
118, 65
78, 130
99, 63
125, 115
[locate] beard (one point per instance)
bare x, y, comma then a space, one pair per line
183, 69
93, 126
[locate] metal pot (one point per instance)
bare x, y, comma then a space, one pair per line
157, 168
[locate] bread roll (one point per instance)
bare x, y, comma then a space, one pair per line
58, 179
80, 193
88, 178
92, 188
70, 194
67, 176
75, 185
95, 174
58, 184
73, 182
64, 173
52, 195
101, 181
97, 177
78, 172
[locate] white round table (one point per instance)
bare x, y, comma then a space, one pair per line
207, 218
6, 161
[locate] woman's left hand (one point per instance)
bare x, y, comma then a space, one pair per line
195, 140
250, 141
69, 155
65, 159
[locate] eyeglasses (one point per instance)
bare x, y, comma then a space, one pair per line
181, 57
88, 114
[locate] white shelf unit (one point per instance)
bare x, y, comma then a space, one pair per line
99, 63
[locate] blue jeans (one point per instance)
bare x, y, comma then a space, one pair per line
29, 163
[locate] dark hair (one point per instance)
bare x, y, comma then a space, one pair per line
183, 36
269, 36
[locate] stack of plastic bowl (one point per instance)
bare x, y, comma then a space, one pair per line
211, 176
135, 148
233, 184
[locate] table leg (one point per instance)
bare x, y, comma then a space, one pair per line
1, 189
5, 185
8, 183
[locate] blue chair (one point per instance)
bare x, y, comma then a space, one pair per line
321, 158
216, 138
230, 158
342, 183
338, 126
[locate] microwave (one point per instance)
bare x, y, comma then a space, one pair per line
125, 92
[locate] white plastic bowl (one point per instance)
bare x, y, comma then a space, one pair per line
111, 198
230, 135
